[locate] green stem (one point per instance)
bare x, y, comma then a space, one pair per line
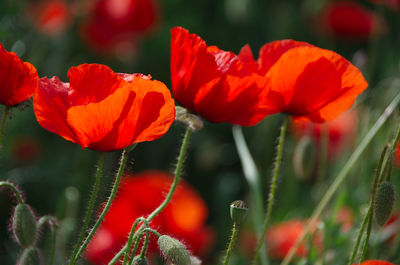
359, 236
52, 221
2, 123
130, 239
179, 165
366, 240
235, 231
135, 247
145, 245
92, 202
106, 208
252, 177
271, 196
11, 186
178, 170
342, 175
152, 231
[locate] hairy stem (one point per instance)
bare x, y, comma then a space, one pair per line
92, 202
235, 231
271, 195
106, 208
15, 190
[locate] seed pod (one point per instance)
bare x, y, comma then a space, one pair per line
30, 256
173, 250
384, 202
24, 225
238, 211
139, 261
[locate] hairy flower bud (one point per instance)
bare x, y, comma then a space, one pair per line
139, 261
384, 202
238, 211
30, 256
173, 250
24, 225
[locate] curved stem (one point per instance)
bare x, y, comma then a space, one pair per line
135, 247
179, 165
130, 239
145, 244
152, 231
235, 231
342, 175
106, 208
271, 197
92, 202
52, 221
2, 123
14, 189
178, 170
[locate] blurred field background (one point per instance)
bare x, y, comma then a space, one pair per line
52, 171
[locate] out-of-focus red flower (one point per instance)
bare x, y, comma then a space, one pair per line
375, 262
350, 21
341, 131
281, 238
216, 84
305, 81
25, 150
113, 24
397, 154
102, 110
52, 17
184, 217
392, 227
345, 217
18, 79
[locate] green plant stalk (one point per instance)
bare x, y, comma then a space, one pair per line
52, 223
235, 231
253, 179
342, 175
178, 170
271, 196
130, 239
135, 247
92, 202
105, 210
366, 240
152, 231
368, 215
360, 234
145, 245
14, 189
2, 124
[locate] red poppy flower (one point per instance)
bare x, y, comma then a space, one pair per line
341, 131
350, 20
305, 81
216, 84
52, 17
376, 262
115, 23
184, 217
397, 154
281, 238
102, 110
18, 79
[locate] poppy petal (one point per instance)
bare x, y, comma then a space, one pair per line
51, 105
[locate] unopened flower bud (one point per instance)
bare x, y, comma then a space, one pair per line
384, 202
139, 261
238, 211
173, 250
30, 256
192, 121
24, 225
